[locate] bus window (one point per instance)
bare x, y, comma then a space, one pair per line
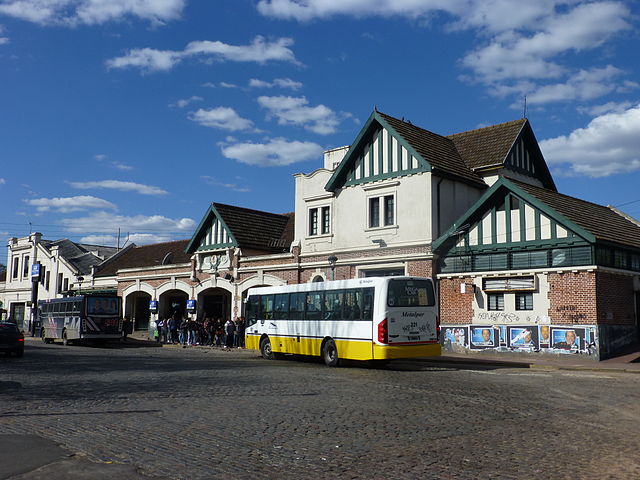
56, 307
333, 305
281, 307
266, 307
313, 306
367, 303
296, 306
76, 306
66, 307
352, 304
253, 309
410, 293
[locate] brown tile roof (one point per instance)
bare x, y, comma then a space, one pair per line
439, 151
256, 229
146, 256
488, 146
602, 222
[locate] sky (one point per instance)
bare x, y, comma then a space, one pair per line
135, 115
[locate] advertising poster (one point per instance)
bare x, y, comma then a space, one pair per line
456, 336
483, 337
544, 336
523, 337
568, 339
503, 335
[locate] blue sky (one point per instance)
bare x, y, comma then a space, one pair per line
136, 114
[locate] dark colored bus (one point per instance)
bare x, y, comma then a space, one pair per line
82, 317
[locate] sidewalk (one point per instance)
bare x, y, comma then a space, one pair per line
628, 363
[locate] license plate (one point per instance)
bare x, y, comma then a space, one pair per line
413, 338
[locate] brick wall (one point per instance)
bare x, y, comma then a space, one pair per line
455, 307
572, 298
615, 299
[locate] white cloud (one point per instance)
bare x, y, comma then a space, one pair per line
217, 183
221, 117
101, 157
608, 145
75, 12
294, 111
137, 238
584, 85
276, 152
259, 51
69, 204
278, 82
183, 102
103, 222
120, 185
2, 181
4, 40
228, 85
608, 107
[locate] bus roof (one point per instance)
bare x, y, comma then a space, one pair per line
330, 285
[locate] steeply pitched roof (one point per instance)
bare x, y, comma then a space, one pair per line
256, 229
148, 256
440, 152
488, 146
602, 222
81, 256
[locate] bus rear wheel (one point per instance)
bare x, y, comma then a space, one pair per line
265, 349
330, 353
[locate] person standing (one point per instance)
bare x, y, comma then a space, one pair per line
126, 324
229, 330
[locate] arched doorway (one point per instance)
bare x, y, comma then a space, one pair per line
214, 303
172, 301
137, 309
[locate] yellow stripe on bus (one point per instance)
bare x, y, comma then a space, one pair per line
347, 349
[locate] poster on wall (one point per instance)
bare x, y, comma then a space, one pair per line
523, 337
544, 336
568, 339
483, 337
455, 336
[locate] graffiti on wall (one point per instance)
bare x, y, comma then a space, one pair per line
529, 338
509, 317
570, 314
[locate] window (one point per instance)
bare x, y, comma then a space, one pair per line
14, 270
66, 284
59, 284
524, 301
495, 301
314, 306
382, 211
352, 304
43, 272
367, 307
266, 307
281, 307
25, 267
46, 282
319, 221
410, 293
296, 306
333, 305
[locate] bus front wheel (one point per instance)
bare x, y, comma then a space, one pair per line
265, 349
330, 353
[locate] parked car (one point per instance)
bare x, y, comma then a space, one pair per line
11, 339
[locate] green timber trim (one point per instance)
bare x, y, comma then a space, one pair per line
363, 142
203, 228
507, 217
482, 205
538, 167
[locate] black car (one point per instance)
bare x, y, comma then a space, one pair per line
11, 339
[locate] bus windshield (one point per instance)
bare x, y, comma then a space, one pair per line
410, 293
102, 305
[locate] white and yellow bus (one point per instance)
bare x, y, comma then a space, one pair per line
360, 319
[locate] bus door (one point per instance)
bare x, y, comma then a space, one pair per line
411, 312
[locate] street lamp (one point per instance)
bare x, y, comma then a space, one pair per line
332, 263
80, 280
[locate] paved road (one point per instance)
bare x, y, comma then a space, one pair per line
194, 413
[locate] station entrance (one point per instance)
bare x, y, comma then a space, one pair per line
137, 309
214, 303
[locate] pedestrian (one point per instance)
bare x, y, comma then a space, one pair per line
240, 332
229, 330
183, 332
156, 332
192, 328
126, 323
219, 333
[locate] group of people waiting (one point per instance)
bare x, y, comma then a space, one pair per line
209, 331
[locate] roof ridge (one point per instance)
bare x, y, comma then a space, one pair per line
488, 127
159, 243
235, 207
414, 126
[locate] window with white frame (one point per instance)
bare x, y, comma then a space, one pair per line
15, 268
319, 221
25, 266
382, 211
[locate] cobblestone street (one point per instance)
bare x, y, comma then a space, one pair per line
201, 413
